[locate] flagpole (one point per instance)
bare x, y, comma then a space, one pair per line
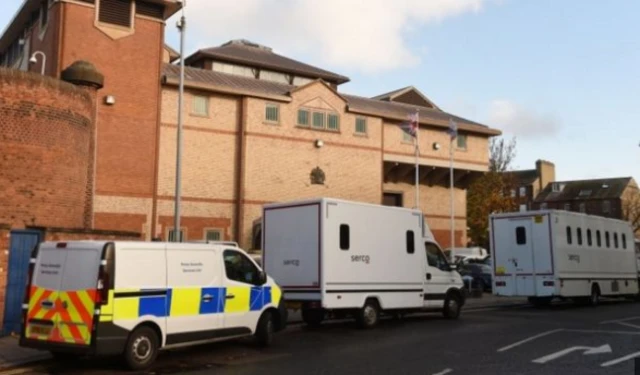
451, 187
417, 160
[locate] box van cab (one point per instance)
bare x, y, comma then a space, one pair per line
135, 298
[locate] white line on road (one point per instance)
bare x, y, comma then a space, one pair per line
628, 325
543, 334
588, 351
602, 331
621, 359
620, 320
444, 372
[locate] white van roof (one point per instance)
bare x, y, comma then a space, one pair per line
335, 200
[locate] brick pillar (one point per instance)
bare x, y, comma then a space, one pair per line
85, 75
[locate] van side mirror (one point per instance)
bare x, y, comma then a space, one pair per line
262, 278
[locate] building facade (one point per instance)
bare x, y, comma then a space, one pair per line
258, 127
527, 184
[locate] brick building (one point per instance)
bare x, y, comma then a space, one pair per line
259, 127
528, 183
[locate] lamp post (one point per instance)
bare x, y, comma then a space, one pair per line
34, 60
182, 26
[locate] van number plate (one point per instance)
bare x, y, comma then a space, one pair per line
40, 330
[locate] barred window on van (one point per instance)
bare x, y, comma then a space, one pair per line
521, 235
569, 240
411, 243
344, 237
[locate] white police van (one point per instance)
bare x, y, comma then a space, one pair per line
135, 298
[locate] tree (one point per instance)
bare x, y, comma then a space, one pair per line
491, 192
631, 208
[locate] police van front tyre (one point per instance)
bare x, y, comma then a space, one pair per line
142, 348
265, 329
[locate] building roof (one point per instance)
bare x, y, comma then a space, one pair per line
396, 96
173, 54
239, 85
252, 54
605, 188
24, 14
524, 177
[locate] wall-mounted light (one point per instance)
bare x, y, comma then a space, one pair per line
436, 146
319, 143
109, 100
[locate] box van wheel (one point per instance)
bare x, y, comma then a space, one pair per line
369, 315
142, 348
452, 306
265, 329
594, 299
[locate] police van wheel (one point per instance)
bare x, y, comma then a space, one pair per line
142, 348
264, 332
369, 315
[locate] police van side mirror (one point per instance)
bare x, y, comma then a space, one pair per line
261, 278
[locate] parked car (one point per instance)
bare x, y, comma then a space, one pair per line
480, 274
464, 254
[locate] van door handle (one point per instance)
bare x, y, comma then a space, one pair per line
207, 298
229, 296
428, 276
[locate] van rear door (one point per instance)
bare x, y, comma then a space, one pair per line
62, 294
513, 261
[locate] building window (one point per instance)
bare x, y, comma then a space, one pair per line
615, 239
598, 238
606, 207
521, 236
557, 187
344, 237
589, 239
392, 199
462, 141
272, 113
303, 117
584, 193
200, 105
318, 120
523, 191
237, 70
274, 77
171, 235
583, 207
569, 240
361, 125
213, 235
115, 12
567, 206
300, 81
512, 193
411, 242
333, 122
579, 235
606, 239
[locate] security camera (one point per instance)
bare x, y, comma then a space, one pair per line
33, 60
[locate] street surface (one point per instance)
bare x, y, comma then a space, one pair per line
561, 339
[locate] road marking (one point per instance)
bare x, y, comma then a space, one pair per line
588, 351
620, 320
621, 359
543, 334
628, 325
602, 331
444, 372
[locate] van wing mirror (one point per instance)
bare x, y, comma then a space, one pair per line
262, 278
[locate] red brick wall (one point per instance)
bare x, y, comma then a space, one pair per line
46, 40
45, 137
443, 238
126, 131
120, 222
195, 227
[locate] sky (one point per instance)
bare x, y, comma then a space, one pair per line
561, 76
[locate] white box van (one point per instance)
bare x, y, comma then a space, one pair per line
134, 298
348, 258
547, 254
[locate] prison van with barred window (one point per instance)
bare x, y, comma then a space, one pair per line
551, 254
135, 298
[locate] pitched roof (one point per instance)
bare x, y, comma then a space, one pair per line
395, 96
239, 85
252, 54
173, 54
524, 177
605, 188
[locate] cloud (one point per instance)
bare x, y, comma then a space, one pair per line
519, 121
366, 35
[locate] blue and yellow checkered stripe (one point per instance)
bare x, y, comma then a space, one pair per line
184, 302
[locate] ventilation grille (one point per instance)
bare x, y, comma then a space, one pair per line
115, 12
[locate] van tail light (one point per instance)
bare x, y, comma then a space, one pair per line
501, 283
548, 283
102, 292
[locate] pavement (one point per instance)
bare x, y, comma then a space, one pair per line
494, 336
12, 355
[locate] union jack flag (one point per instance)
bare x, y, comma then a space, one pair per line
411, 125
